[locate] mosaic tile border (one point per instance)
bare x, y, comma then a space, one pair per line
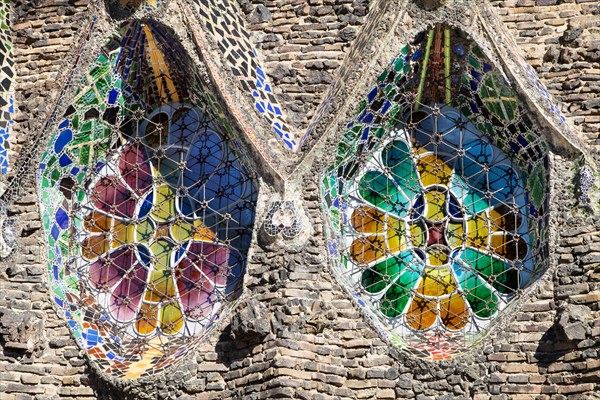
7, 83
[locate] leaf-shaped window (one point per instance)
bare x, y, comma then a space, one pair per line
147, 208
436, 203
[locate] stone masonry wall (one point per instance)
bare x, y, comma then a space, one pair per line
303, 43
561, 40
296, 334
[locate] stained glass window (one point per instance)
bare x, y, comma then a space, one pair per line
436, 203
147, 204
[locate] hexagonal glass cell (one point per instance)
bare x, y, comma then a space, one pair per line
147, 206
436, 204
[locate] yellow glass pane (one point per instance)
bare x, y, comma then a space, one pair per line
433, 171
369, 249
171, 319
435, 205
164, 82
144, 231
437, 256
395, 236
161, 286
437, 282
368, 220
421, 313
421, 151
418, 234
455, 234
95, 246
183, 230
503, 219
122, 234
147, 317
478, 231
454, 312
97, 222
164, 203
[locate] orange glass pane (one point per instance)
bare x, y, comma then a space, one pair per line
368, 249
508, 246
147, 317
421, 313
504, 219
202, 232
454, 312
368, 220
97, 222
95, 246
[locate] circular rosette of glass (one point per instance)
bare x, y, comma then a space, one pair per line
436, 232
157, 251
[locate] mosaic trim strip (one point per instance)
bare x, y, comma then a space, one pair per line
147, 207
6, 84
528, 77
378, 11
227, 29
436, 203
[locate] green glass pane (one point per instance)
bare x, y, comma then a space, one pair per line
396, 156
376, 278
477, 51
84, 155
481, 298
499, 98
472, 199
399, 64
383, 76
473, 62
55, 176
397, 296
380, 191
72, 282
537, 184
499, 274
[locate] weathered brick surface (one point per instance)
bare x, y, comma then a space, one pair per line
318, 345
560, 40
303, 43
